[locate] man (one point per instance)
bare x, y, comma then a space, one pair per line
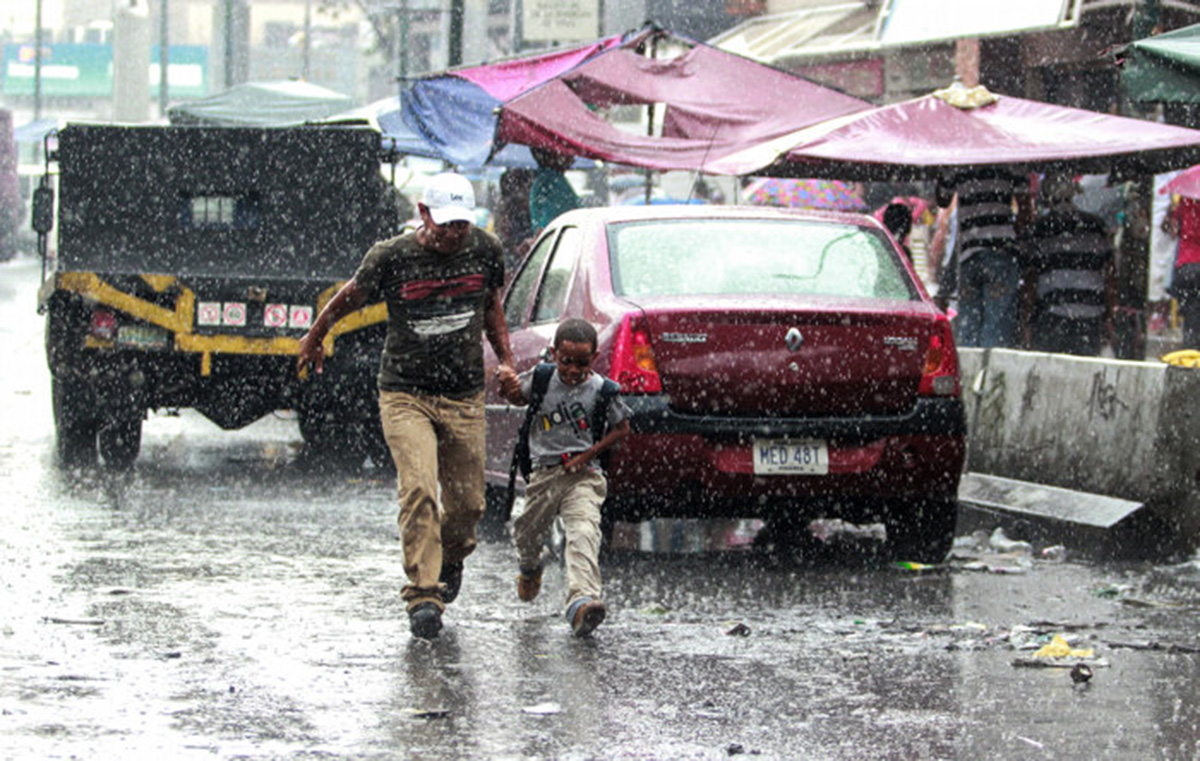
442, 284
1070, 285
984, 267
550, 193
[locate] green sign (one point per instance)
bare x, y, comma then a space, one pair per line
86, 70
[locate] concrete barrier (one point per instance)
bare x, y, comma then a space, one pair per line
1118, 428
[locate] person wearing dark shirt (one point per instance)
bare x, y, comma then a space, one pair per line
442, 285
984, 269
897, 218
1069, 284
550, 193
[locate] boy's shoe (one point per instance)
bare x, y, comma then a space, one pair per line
425, 620
585, 615
451, 576
529, 583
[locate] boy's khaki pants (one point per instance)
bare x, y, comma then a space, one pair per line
435, 441
578, 498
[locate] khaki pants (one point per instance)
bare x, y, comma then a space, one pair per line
578, 498
435, 441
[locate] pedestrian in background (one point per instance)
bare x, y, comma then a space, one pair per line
983, 270
1070, 287
897, 218
512, 215
550, 193
1183, 221
575, 415
442, 285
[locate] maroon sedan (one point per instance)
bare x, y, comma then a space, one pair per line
778, 364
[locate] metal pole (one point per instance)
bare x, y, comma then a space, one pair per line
650, 123
306, 66
456, 32
164, 60
37, 62
228, 44
402, 53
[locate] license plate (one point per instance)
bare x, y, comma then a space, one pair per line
791, 457
142, 337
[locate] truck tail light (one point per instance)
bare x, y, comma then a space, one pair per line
104, 325
633, 363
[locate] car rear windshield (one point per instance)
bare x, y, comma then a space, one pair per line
747, 256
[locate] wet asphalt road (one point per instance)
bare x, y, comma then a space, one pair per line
228, 599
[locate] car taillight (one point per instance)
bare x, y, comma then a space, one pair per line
633, 363
940, 377
104, 325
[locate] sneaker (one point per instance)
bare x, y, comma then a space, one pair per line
425, 620
529, 583
451, 576
585, 615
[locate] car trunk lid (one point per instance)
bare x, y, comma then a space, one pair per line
777, 359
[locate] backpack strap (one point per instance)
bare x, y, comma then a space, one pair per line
600, 414
520, 458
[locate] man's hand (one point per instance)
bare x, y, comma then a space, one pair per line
510, 384
312, 348
312, 353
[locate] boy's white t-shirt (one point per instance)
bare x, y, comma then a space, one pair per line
563, 421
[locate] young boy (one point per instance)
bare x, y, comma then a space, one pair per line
566, 477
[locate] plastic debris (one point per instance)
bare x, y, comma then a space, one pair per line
1055, 554
909, 565
656, 609
1060, 648
543, 709
739, 630
1000, 542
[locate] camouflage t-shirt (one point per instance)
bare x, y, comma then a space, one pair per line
435, 306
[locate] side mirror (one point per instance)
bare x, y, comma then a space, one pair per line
43, 210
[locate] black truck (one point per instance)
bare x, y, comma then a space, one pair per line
190, 261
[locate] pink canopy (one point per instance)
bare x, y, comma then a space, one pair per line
717, 104
919, 137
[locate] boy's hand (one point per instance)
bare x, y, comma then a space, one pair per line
510, 384
578, 462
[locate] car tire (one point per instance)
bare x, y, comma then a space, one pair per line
120, 441
75, 424
923, 531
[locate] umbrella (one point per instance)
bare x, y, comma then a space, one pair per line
917, 205
1186, 184
805, 194
922, 137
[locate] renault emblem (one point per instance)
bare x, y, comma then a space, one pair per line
793, 339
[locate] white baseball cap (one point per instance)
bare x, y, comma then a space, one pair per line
449, 198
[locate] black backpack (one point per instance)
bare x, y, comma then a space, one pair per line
537, 392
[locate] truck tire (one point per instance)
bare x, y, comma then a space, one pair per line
75, 423
120, 441
329, 437
923, 531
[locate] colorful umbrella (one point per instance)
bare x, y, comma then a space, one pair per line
1186, 184
916, 204
805, 194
